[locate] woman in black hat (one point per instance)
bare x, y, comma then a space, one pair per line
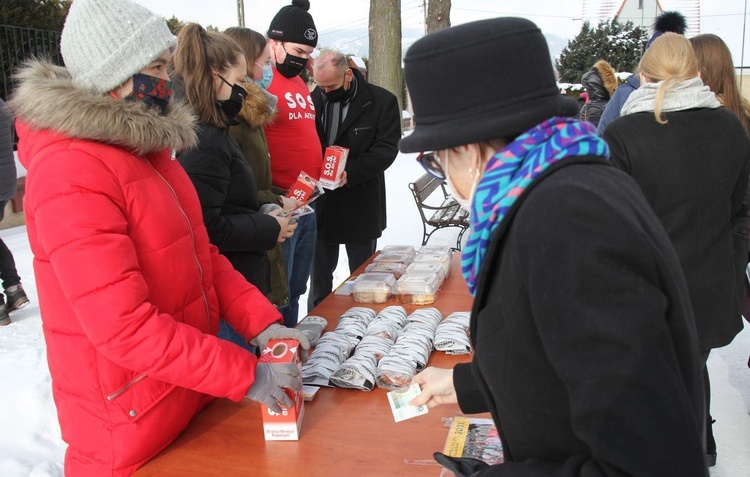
585, 347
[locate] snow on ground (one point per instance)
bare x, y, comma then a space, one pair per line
30, 442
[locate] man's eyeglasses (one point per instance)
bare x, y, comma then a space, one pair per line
431, 164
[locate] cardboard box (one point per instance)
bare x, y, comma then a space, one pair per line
285, 426
334, 163
304, 188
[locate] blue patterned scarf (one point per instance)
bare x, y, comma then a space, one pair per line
510, 171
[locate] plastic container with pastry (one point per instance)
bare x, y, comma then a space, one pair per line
396, 268
373, 287
426, 268
394, 257
405, 249
436, 248
443, 258
418, 289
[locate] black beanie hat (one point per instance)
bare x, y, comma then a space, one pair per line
294, 24
668, 22
480, 81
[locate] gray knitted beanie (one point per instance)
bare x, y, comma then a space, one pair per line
105, 42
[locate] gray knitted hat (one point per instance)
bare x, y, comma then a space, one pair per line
105, 42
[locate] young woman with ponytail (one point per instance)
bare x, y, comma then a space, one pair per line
212, 69
691, 158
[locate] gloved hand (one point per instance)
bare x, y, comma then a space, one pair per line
461, 466
276, 331
270, 379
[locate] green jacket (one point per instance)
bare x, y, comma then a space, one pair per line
250, 135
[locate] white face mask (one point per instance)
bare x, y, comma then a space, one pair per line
463, 202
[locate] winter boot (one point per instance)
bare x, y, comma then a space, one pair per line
4, 318
16, 298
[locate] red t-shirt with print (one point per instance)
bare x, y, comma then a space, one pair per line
293, 141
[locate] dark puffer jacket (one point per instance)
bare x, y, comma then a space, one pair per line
600, 83
228, 193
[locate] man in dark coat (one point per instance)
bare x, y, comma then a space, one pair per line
364, 118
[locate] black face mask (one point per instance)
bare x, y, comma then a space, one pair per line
292, 65
336, 95
231, 107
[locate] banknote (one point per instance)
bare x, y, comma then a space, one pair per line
399, 401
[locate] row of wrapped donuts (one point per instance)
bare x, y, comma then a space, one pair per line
385, 349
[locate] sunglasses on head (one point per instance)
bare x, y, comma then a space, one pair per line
431, 164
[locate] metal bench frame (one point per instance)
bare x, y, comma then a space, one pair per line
435, 217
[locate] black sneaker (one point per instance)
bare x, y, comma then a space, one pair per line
4, 318
15, 298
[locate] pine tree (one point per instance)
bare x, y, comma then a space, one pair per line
619, 44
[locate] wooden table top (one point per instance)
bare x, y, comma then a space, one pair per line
345, 432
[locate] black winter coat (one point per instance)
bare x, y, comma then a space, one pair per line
371, 130
7, 162
598, 97
694, 173
585, 347
229, 198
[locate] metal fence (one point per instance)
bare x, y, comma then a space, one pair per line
19, 44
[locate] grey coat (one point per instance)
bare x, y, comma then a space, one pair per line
7, 163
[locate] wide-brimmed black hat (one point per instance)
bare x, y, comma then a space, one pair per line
479, 81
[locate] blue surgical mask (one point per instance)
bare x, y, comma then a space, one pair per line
265, 81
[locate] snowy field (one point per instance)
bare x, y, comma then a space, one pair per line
30, 443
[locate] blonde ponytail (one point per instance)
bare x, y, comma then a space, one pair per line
669, 61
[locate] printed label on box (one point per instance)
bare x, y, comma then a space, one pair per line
284, 426
303, 188
334, 164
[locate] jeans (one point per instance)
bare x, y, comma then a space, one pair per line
326, 259
228, 333
8, 272
298, 258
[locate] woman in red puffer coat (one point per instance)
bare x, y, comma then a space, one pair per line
130, 288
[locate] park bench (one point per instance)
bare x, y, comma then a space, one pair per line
438, 211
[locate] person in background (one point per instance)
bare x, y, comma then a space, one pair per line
365, 119
674, 123
717, 72
585, 348
666, 22
211, 67
600, 82
15, 297
292, 138
258, 110
130, 288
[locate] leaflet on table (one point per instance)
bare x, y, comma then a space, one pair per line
474, 437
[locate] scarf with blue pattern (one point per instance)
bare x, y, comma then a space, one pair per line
510, 171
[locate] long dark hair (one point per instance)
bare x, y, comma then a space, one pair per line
717, 72
199, 53
251, 41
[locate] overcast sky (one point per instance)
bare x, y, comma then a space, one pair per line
559, 17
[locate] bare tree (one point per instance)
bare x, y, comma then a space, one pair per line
438, 15
384, 68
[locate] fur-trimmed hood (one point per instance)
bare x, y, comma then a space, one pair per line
600, 82
608, 76
47, 99
257, 111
